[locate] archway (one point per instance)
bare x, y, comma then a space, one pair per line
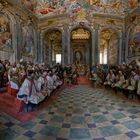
53, 47
109, 47
81, 46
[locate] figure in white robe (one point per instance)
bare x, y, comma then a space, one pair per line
42, 84
133, 81
120, 81
110, 78
57, 81
29, 93
51, 86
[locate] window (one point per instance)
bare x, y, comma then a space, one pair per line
105, 56
58, 58
101, 58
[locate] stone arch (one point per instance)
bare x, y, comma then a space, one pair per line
111, 28
82, 46
50, 29
85, 27
49, 53
109, 54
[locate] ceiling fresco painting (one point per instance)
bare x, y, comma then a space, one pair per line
43, 8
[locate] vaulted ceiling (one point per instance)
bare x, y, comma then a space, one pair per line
44, 8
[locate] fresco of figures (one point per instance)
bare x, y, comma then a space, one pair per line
134, 42
5, 33
53, 7
28, 41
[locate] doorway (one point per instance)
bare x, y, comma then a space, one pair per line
81, 46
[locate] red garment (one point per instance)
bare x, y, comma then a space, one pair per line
12, 91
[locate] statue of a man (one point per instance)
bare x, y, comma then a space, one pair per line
78, 56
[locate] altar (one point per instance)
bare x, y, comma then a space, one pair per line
82, 69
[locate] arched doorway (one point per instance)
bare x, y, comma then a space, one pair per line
81, 46
109, 47
53, 47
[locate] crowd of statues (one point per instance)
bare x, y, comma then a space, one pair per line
125, 77
32, 83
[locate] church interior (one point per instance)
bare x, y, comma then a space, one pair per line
70, 69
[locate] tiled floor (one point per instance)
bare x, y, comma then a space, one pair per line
79, 113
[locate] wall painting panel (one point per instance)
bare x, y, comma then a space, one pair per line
6, 47
134, 42
28, 41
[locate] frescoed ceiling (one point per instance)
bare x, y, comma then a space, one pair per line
43, 8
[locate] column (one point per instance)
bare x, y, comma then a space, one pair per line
96, 50
50, 52
120, 49
38, 49
123, 48
35, 46
66, 45
63, 47
69, 47
93, 47
108, 51
18, 39
41, 55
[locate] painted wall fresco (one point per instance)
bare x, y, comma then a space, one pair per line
5, 34
28, 40
53, 7
114, 46
134, 42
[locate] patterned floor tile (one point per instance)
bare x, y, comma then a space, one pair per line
122, 128
132, 124
9, 124
50, 131
132, 134
22, 137
64, 133
28, 125
77, 120
76, 133
95, 133
118, 115
79, 113
29, 134
57, 118
43, 137
18, 129
99, 118
8, 134
119, 137
109, 131
99, 139
137, 138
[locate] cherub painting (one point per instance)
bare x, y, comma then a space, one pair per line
5, 33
